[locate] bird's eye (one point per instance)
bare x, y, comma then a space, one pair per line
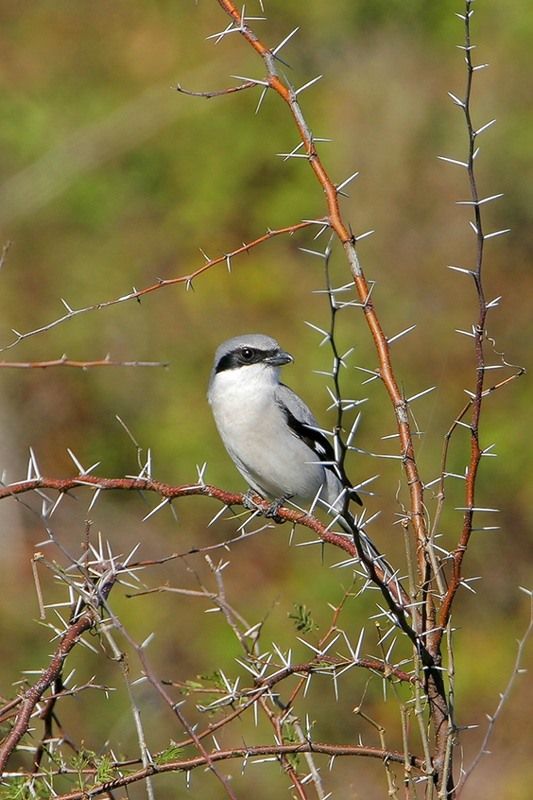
247, 353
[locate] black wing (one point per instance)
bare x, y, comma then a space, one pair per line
309, 433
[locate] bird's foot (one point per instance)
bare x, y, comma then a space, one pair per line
271, 512
250, 503
273, 509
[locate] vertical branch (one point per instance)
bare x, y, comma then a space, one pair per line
478, 331
348, 240
340, 445
425, 614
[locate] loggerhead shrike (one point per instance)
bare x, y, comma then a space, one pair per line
269, 432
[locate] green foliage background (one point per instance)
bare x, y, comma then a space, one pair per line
110, 179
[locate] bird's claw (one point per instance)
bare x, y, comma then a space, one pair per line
271, 512
273, 509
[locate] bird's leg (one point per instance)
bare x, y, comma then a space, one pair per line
271, 512
274, 507
249, 502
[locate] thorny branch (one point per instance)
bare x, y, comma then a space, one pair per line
425, 627
428, 625
219, 93
83, 620
189, 764
424, 616
336, 221
389, 586
69, 362
137, 294
479, 333
174, 707
32, 695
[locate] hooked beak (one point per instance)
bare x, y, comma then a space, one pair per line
280, 358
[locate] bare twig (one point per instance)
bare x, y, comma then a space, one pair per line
137, 294
219, 92
186, 765
68, 362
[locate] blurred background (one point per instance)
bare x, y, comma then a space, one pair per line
110, 179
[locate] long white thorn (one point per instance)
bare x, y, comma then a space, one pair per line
285, 40
307, 85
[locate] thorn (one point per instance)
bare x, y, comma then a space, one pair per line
365, 235
276, 50
484, 127
144, 645
355, 426
69, 309
321, 331
496, 233
347, 181
316, 221
402, 333
95, 498
220, 35
250, 80
306, 85
156, 509
293, 153
313, 253
486, 528
463, 270
286, 156
57, 502
76, 462
321, 231
201, 472
262, 96
453, 161
479, 202
420, 394
456, 100
33, 468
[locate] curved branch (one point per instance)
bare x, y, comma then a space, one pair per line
186, 765
217, 93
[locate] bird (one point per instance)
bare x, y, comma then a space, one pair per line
271, 434
278, 447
